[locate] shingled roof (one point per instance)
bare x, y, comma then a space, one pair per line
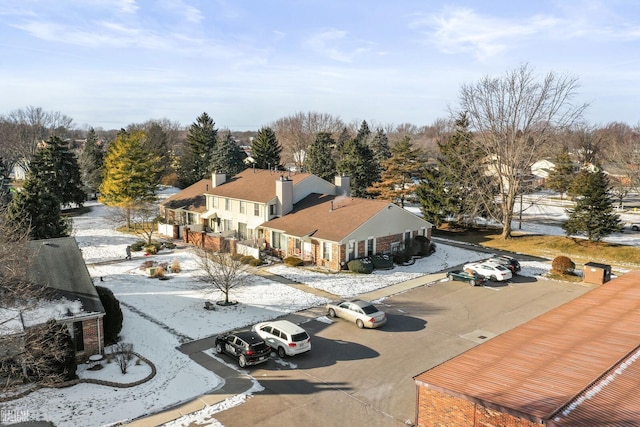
574, 365
191, 199
254, 185
328, 217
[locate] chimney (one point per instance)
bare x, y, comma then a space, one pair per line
217, 179
284, 195
343, 186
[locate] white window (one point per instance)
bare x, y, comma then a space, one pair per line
326, 250
256, 209
227, 204
243, 206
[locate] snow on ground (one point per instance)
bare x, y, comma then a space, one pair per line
160, 315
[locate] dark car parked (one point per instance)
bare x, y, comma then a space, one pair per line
510, 262
248, 347
472, 278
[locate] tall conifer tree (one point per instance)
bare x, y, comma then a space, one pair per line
195, 163
266, 149
319, 160
228, 158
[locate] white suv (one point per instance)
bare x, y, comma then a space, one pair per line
491, 270
283, 336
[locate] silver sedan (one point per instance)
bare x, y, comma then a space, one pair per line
365, 314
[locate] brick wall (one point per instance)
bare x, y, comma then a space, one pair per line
436, 409
93, 333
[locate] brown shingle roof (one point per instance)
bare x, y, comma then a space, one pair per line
314, 213
254, 185
191, 198
537, 369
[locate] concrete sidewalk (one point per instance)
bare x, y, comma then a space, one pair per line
234, 382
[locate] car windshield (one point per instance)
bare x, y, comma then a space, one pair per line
260, 345
501, 267
369, 309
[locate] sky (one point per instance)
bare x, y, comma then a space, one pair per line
110, 63
160, 315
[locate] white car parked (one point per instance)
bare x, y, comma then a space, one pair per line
284, 337
493, 271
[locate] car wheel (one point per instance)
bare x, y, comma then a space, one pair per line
281, 352
359, 323
218, 348
635, 228
242, 361
332, 312
472, 282
493, 278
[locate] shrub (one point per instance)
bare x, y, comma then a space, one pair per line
362, 265
236, 256
563, 265
146, 264
424, 245
151, 249
246, 259
159, 272
112, 321
293, 261
382, 262
255, 262
175, 266
169, 245
137, 246
402, 257
413, 248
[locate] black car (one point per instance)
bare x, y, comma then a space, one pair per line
510, 262
247, 347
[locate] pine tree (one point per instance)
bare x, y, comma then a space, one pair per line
358, 163
228, 158
61, 168
433, 197
319, 160
593, 214
380, 146
129, 173
36, 207
266, 149
91, 162
399, 173
363, 133
561, 176
201, 141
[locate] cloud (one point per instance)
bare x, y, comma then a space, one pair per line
462, 30
336, 45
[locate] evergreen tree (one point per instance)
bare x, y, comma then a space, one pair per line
266, 149
363, 133
113, 318
358, 163
432, 196
202, 139
319, 160
380, 146
63, 173
91, 161
228, 158
158, 143
561, 176
593, 214
342, 139
36, 207
5, 184
399, 173
129, 173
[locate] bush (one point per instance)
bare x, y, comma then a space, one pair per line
424, 246
151, 249
246, 259
112, 321
255, 262
169, 245
402, 257
159, 272
175, 266
563, 265
382, 262
137, 246
236, 256
293, 261
363, 266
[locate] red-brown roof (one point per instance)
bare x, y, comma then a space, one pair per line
549, 364
316, 214
191, 198
254, 185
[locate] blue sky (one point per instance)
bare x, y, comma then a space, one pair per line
109, 63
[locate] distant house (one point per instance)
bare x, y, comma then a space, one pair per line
296, 214
576, 365
58, 264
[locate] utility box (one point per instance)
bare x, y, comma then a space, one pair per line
596, 273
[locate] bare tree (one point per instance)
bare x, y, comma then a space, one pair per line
23, 129
512, 118
123, 353
220, 271
295, 133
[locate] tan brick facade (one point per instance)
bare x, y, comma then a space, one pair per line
436, 409
93, 333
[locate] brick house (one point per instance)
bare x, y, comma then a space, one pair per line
74, 302
576, 365
295, 214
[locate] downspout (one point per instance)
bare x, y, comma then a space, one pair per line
99, 337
